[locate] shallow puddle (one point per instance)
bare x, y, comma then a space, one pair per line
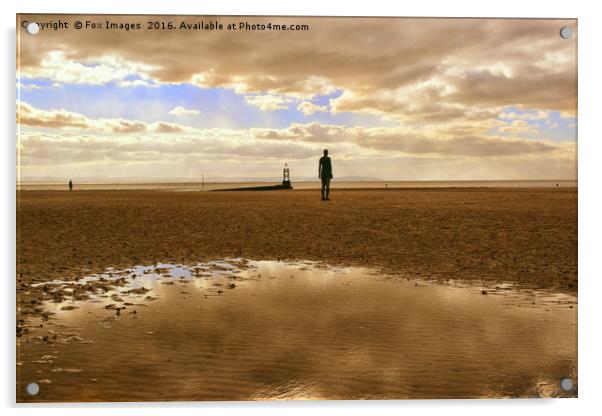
250, 330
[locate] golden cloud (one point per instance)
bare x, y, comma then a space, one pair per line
30, 116
407, 140
410, 142
482, 63
129, 156
308, 108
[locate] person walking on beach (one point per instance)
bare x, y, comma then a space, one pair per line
325, 174
70, 185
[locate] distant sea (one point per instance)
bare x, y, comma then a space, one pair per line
209, 186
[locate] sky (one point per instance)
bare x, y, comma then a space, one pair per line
391, 99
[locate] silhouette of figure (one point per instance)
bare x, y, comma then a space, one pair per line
325, 174
70, 185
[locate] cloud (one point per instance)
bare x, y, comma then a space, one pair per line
181, 111
309, 108
30, 116
126, 126
59, 66
533, 115
136, 83
162, 127
440, 93
532, 89
268, 102
424, 102
470, 143
28, 87
518, 128
223, 153
409, 142
50, 148
521, 62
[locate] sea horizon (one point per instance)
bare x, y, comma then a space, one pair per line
208, 185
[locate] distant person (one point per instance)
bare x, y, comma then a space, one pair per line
70, 185
325, 174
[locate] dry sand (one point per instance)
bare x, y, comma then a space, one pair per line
525, 236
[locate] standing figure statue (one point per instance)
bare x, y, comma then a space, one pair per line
325, 174
70, 185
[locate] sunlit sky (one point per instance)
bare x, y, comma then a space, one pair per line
392, 99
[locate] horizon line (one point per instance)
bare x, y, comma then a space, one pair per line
242, 180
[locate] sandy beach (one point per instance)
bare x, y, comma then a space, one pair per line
148, 275
502, 235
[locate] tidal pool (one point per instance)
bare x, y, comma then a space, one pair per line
261, 330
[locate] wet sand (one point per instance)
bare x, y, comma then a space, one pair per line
504, 241
268, 330
527, 236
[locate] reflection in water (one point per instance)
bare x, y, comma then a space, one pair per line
247, 330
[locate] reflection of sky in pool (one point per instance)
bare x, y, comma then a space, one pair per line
234, 329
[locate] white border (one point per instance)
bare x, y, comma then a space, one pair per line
590, 185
